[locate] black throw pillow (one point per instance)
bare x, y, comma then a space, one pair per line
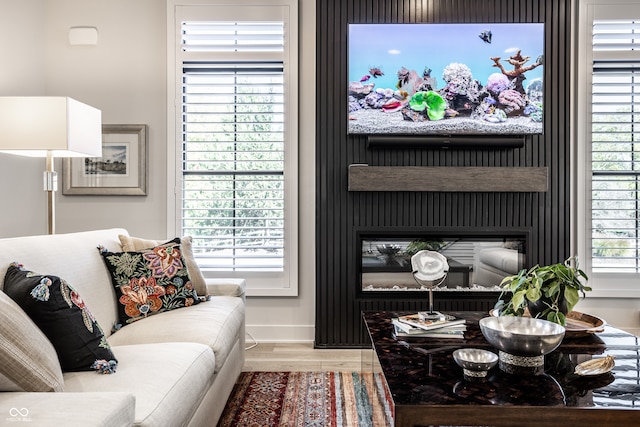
63, 317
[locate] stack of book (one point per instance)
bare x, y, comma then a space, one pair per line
419, 326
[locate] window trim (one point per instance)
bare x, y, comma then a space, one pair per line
605, 285
283, 283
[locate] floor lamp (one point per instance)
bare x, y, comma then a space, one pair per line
49, 126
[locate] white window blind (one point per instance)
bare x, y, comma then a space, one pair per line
224, 36
615, 147
233, 138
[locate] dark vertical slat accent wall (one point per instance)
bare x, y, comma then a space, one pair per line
340, 213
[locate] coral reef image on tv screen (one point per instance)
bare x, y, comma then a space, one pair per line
446, 79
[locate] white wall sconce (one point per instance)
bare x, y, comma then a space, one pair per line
83, 36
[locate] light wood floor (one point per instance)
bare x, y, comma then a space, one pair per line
300, 357
290, 357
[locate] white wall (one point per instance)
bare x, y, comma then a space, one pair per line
619, 312
22, 73
125, 77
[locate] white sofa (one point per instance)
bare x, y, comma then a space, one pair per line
496, 263
175, 368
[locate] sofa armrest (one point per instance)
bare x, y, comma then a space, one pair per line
65, 409
226, 287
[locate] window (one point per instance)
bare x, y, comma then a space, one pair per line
609, 148
236, 141
615, 159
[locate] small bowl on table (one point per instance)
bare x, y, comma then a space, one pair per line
475, 363
522, 341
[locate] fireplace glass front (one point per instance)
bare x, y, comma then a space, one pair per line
477, 263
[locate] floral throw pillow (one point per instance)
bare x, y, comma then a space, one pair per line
149, 281
61, 314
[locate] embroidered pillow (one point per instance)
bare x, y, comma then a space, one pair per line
149, 281
130, 244
63, 317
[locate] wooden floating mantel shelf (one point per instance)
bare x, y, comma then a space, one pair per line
455, 179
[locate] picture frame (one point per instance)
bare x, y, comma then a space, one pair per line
121, 171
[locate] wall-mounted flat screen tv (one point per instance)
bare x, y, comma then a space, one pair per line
446, 79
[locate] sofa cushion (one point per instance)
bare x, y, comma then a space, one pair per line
28, 360
507, 260
61, 313
232, 287
216, 323
133, 244
168, 380
67, 409
150, 281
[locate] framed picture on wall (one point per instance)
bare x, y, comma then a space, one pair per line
121, 171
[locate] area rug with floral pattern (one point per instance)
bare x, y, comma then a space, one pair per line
307, 399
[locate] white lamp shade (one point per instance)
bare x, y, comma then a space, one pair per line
35, 125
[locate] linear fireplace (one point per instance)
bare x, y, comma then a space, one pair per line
478, 259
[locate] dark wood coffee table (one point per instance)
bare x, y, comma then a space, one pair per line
428, 388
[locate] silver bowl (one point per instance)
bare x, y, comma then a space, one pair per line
522, 341
475, 363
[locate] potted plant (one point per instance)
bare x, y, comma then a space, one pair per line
548, 292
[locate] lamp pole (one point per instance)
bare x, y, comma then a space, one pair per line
51, 186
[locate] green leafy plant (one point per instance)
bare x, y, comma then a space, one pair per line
418, 245
553, 289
